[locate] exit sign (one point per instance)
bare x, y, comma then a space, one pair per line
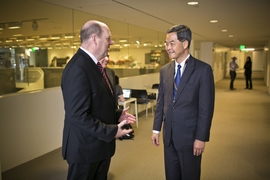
242, 47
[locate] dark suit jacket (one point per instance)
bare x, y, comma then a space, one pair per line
90, 112
190, 116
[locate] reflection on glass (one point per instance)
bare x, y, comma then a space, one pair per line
136, 50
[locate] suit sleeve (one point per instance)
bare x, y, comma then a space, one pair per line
206, 104
159, 107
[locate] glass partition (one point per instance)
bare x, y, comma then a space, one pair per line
49, 41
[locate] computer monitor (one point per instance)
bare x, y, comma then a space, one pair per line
126, 93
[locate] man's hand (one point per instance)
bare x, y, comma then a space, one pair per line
121, 132
130, 119
198, 147
155, 139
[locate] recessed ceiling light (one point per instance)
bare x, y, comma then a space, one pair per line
213, 21
17, 35
248, 49
122, 40
230, 36
58, 36
2, 26
30, 39
14, 25
68, 36
224, 30
19, 40
43, 37
192, 3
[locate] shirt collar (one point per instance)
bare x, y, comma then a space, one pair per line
91, 55
182, 63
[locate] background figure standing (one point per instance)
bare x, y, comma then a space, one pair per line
91, 119
187, 116
110, 73
248, 72
118, 90
233, 67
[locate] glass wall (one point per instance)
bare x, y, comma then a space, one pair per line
34, 55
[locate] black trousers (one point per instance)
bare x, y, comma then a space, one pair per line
248, 80
233, 76
92, 171
181, 165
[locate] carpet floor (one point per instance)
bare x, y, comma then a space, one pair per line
238, 149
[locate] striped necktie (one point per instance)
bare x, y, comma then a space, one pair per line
102, 70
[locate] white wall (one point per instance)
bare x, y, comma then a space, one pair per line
257, 60
215, 55
31, 125
139, 82
206, 52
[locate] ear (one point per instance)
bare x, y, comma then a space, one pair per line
185, 44
93, 39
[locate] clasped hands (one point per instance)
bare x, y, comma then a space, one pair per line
125, 118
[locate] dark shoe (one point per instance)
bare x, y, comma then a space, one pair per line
233, 89
246, 88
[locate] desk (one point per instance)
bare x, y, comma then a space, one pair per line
124, 104
153, 91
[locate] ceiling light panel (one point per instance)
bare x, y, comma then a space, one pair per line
2, 26
193, 3
14, 25
213, 21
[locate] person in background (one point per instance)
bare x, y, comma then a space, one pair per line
186, 109
118, 90
92, 121
233, 67
118, 93
248, 72
109, 72
111, 75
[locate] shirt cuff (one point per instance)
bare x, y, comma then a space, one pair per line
155, 131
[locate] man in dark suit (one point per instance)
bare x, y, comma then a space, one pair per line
91, 118
187, 116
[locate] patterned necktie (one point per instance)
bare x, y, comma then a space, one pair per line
102, 70
176, 80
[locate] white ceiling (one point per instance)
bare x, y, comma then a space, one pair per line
247, 21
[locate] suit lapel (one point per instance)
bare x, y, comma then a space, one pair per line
94, 66
171, 78
186, 75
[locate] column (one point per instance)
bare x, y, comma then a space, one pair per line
207, 52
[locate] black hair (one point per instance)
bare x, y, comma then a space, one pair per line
183, 33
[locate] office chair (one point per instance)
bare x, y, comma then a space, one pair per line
142, 98
153, 96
